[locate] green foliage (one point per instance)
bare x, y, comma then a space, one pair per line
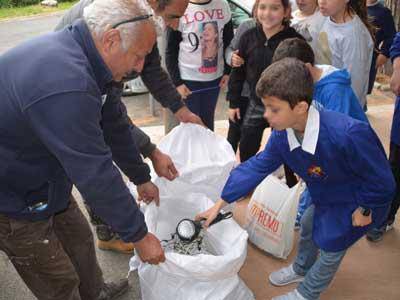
19, 3
9, 11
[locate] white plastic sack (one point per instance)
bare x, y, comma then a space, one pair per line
271, 214
200, 277
203, 159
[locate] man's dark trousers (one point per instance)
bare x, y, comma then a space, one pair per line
56, 257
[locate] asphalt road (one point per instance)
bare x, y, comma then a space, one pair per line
114, 266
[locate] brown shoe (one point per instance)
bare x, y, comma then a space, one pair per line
116, 245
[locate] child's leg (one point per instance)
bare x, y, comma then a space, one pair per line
235, 128
252, 130
320, 275
376, 234
209, 103
307, 252
203, 103
250, 141
193, 101
304, 203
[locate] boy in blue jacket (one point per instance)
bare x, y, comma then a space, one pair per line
332, 89
342, 162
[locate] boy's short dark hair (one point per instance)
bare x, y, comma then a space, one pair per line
296, 48
287, 79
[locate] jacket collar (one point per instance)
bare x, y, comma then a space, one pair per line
82, 35
311, 133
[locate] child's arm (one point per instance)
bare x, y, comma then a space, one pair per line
227, 38
237, 78
174, 37
231, 50
356, 56
247, 176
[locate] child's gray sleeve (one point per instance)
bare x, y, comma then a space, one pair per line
234, 45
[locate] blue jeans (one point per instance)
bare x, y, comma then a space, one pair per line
318, 270
304, 203
203, 103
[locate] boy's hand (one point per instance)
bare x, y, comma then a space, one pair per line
360, 220
210, 214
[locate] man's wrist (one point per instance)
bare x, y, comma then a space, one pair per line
154, 154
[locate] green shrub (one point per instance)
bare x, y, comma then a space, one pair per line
24, 2
5, 3
16, 3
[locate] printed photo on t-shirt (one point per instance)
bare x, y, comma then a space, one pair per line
209, 47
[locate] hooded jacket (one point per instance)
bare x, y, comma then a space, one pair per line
257, 52
334, 92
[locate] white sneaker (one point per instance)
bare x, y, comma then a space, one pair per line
293, 295
285, 276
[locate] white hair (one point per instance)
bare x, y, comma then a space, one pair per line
100, 15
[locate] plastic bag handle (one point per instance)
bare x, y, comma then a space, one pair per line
221, 217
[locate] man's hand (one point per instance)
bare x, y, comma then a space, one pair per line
163, 165
149, 249
234, 114
359, 220
183, 91
224, 81
148, 192
186, 116
236, 60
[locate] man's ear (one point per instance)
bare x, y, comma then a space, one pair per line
111, 41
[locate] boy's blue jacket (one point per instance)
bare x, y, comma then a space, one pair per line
395, 133
334, 92
348, 169
55, 132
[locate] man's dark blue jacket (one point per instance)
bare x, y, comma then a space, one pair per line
51, 136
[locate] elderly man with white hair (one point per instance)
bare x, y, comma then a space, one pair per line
161, 87
52, 136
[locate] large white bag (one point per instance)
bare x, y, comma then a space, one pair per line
204, 161
271, 214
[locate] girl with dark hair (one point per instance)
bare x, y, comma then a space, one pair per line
346, 42
257, 46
